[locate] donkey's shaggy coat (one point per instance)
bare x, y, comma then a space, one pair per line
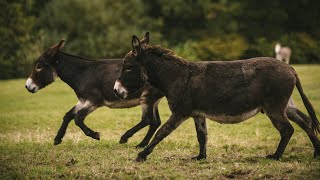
226, 92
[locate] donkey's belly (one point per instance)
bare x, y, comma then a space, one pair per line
228, 119
122, 103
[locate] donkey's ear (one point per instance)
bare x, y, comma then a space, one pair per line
145, 41
61, 43
136, 45
51, 51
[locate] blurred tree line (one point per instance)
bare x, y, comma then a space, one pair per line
198, 30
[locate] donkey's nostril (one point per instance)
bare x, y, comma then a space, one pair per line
33, 90
26, 86
116, 94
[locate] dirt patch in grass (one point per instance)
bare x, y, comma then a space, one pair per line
237, 174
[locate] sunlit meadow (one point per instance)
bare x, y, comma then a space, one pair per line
29, 122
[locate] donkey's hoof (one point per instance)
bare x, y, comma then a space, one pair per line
141, 159
198, 158
272, 156
123, 141
57, 142
96, 136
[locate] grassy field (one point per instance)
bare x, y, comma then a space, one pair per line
29, 123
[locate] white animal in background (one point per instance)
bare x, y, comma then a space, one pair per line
282, 53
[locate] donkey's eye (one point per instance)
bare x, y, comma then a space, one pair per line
39, 67
129, 68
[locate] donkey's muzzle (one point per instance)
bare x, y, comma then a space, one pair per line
117, 94
31, 90
120, 91
31, 86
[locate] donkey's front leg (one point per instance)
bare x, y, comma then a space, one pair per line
201, 128
79, 118
150, 100
66, 120
173, 122
143, 123
150, 116
154, 123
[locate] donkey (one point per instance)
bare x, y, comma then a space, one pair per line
92, 82
282, 53
226, 92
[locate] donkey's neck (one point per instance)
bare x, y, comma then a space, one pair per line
69, 68
168, 75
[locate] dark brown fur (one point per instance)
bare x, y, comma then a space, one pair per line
227, 92
92, 82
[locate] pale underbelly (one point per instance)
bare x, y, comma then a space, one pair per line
122, 103
227, 119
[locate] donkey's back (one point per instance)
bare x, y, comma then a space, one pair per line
230, 92
95, 83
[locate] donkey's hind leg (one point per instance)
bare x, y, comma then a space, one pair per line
281, 123
66, 120
79, 118
201, 128
295, 115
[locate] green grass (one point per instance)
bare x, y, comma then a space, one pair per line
29, 123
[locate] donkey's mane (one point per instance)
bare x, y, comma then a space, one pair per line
84, 58
78, 57
165, 53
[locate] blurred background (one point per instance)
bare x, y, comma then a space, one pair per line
197, 30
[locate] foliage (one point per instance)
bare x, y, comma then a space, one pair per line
305, 49
262, 19
200, 30
228, 47
15, 32
260, 47
187, 50
96, 28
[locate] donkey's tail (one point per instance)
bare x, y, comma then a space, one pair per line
315, 122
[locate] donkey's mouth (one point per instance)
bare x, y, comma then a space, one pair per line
33, 90
120, 96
